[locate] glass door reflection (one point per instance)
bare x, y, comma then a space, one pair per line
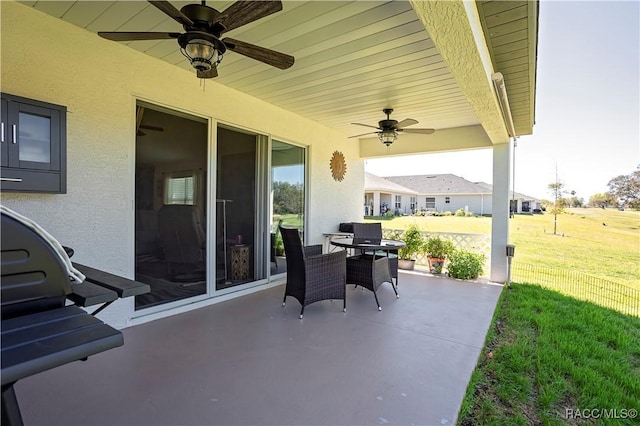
288, 164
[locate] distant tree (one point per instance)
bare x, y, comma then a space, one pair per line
558, 203
287, 197
602, 200
626, 188
574, 201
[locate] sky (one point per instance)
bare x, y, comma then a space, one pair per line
587, 106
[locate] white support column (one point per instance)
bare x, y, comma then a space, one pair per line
376, 203
500, 212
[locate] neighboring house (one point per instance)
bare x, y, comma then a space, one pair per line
437, 193
518, 202
142, 133
382, 195
447, 192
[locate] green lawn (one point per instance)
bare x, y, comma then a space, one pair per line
550, 358
601, 243
288, 221
597, 242
552, 354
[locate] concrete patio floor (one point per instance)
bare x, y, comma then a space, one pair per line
248, 361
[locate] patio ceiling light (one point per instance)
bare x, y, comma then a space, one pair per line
387, 136
203, 50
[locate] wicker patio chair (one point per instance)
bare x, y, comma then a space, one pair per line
369, 272
311, 275
374, 231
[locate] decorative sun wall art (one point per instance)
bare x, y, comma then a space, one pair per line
338, 166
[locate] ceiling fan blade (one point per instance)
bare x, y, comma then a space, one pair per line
421, 131
133, 36
212, 73
364, 134
262, 54
366, 125
171, 11
156, 128
406, 122
243, 12
139, 114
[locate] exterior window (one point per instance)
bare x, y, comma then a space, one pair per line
447, 200
430, 202
398, 202
413, 204
180, 190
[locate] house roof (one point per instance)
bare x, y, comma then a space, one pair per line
518, 195
377, 183
434, 184
426, 60
439, 184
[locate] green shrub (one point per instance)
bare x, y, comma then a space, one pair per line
469, 214
446, 213
438, 247
413, 241
465, 264
279, 245
460, 212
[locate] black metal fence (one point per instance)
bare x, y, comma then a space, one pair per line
621, 297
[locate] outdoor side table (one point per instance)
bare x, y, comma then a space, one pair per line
240, 257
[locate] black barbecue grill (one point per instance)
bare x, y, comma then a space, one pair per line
39, 331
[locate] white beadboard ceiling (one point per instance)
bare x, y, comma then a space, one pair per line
352, 58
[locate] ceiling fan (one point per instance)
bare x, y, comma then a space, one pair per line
139, 113
147, 127
388, 129
204, 25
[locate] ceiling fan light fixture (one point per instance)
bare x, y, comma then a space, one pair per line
388, 129
201, 54
203, 50
387, 137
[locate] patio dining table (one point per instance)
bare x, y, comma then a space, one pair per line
368, 243
369, 271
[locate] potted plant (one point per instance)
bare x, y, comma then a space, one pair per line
437, 250
414, 244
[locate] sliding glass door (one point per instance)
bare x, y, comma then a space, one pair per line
237, 218
260, 184
170, 205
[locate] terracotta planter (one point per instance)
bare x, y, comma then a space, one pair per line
406, 264
435, 264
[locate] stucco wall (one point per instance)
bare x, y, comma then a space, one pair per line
478, 204
99, 82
